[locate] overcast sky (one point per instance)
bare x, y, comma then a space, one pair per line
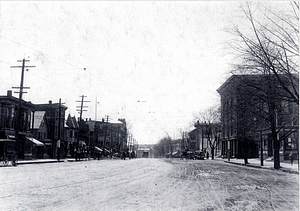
153, 63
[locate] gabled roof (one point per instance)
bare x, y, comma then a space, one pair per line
38, 119
71, 122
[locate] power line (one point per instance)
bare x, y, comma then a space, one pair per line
41, 52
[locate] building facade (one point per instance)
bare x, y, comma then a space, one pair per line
245, 117
207, 137
71, 135
145, 151
55, 118
16, 121
109, 136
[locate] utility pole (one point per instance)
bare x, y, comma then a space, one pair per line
80, 118
19, 111
81, 106
59, 130
58, 141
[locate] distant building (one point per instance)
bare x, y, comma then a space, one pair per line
145, 151
111, 136
71, 135
205, 132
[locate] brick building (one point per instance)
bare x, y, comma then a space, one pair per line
245, 115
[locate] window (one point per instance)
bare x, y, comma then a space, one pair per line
290, 142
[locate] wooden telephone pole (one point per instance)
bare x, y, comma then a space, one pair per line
18, 127
80, 118
59, 129
81, 106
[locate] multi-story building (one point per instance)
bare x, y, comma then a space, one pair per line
18, 124
9, 121
55, 118
245, 117
110, 136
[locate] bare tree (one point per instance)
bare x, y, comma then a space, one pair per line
184, 145
210, 126
163, 147
272, 49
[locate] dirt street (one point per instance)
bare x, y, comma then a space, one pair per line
146, 184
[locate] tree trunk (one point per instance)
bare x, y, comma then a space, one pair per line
212, 153
276, 154
246, 149
276, 142
276, 149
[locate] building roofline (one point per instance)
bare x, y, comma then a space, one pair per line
41, 107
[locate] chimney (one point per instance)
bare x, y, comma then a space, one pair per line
50, 101
9, 93
90, 119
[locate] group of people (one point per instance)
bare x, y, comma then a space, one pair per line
128, 154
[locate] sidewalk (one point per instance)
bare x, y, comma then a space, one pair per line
39, 161
268, 164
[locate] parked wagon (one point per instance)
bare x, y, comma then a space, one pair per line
8, 152
82, 152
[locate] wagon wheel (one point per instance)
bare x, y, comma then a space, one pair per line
14, 160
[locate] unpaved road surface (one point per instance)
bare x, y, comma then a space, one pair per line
146, 184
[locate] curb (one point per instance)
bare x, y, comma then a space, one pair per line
268, 168
39, 162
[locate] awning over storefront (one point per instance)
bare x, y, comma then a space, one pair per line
34, 141
106, 150
174, 153
97, 148
7, 140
